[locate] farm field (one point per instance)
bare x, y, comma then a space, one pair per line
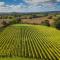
33, 42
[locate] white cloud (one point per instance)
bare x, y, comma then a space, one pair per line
2, 3
3, 7
12, 8
35, 1
38, 2
58, 0
33, 5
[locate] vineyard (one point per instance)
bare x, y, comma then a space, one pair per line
30, 41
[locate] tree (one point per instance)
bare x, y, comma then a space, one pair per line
0, 17
57, 24
4, 23
18, 20
34, 16
46, 23
50, 17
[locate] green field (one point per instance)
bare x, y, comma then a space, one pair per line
25, 42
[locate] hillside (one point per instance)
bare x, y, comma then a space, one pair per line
30, 41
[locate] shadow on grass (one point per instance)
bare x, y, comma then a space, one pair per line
2, 29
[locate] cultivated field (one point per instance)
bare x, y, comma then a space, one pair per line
30, 41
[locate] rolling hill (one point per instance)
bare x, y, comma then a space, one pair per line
30, 41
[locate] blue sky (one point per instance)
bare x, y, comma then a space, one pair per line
29, 5
12, 1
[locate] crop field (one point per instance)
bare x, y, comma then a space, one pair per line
30, 41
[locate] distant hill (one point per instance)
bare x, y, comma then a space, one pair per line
18, 13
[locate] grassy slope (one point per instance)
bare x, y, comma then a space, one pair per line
16, 59
49, 36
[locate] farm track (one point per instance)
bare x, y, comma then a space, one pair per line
30, 42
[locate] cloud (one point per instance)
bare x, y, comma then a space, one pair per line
3, 7
30, 6
12, 8
58, 0
37, 1
2, 3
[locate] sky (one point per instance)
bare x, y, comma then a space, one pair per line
29, 5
